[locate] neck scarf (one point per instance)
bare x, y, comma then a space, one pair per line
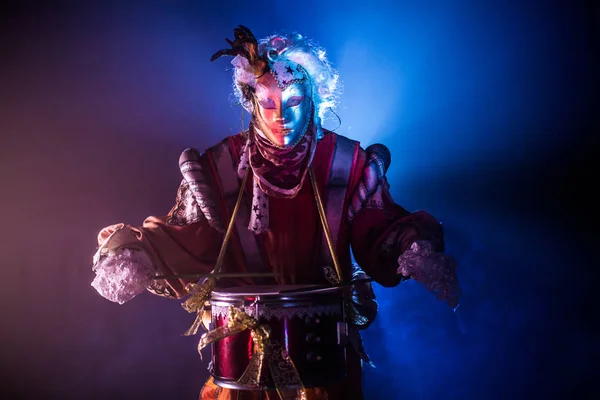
277, 172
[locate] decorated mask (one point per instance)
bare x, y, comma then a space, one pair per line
283, 105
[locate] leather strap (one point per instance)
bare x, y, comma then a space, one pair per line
225, 168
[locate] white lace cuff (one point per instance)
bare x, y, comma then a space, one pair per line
436, 271
123, 275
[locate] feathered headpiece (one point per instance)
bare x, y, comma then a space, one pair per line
249, 64
245, 44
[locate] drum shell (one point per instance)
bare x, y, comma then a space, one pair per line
305, 324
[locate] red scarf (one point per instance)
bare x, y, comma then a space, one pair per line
281, 171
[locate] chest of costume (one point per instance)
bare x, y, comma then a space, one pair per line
294, 244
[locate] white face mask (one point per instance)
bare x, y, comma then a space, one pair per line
282, 114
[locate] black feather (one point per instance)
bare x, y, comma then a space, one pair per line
244, 44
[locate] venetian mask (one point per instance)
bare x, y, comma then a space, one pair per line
283, 105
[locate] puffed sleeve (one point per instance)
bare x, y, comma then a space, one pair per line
129, 257
382, 231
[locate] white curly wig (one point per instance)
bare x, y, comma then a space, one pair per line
297, 49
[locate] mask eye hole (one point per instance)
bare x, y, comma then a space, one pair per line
267, 104
294, 101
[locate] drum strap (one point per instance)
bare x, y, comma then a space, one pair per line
230, 186
332, 217
337, 187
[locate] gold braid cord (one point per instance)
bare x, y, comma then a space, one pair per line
195, 303
352, 314
200, 294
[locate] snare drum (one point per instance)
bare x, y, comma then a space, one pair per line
306, 320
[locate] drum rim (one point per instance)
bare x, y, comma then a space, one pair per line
303, 291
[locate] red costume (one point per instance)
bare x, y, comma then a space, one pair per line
278, 230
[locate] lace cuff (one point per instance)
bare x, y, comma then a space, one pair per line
123, 275
436, 271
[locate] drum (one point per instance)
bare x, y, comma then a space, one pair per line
306, 320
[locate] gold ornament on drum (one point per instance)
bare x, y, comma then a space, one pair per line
281, 367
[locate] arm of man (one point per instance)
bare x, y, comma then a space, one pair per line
129, 257
392, 244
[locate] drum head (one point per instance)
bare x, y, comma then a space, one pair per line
274, 290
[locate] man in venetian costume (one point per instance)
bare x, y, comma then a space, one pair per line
282, 160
